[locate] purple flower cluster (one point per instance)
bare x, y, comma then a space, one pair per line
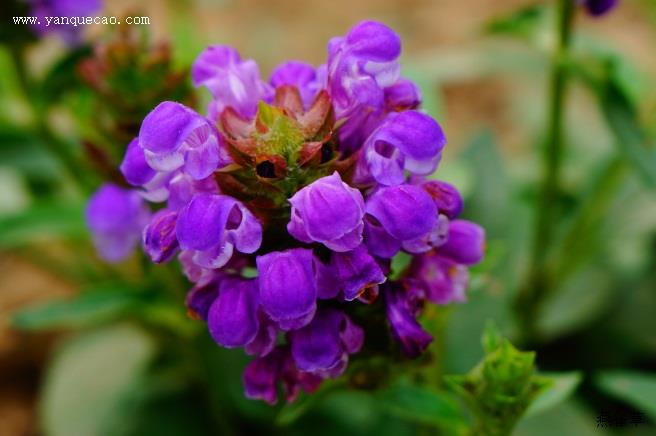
315, 180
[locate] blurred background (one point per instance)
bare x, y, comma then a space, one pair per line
483, 69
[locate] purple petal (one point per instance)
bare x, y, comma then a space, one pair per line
287, 288
405, 328
159, 238
165, 127
328, 211
265, 340
465, 244
402, 95
356, 271
201, 224
299, 74
374, 41
446, 197
232, 318
406, 212
379, 242
318, 346
200, 299
261, 376
134, 167
439, 278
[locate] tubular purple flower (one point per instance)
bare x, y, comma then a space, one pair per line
446, 197
408, 140
262, 375
359, 67
398, 214
299, 74
159, 238
232, 81
465, 244
174, 136
322, 347
232, 319
328, 211
116, 218
351, 273
288, 290
440, 279
213, 226
401, 313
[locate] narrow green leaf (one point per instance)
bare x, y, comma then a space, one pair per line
85, 309
636, 388
421, 405
562, 387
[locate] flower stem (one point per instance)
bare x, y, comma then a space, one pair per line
531, 296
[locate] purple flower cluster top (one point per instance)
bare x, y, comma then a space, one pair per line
315, 179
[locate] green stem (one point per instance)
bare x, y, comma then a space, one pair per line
531, 296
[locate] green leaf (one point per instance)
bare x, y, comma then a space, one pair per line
89, 379
85, 309
421, 405
636, 388
630, 137
43, 221
562, 387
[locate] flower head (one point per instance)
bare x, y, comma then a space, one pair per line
315, 180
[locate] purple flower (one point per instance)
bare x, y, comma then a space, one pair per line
174, 136
465, 243
360, 66
351, 273
299, 74
328, 211
446, 197
402, 308
288, 290
599, 7
232, 318
401, 216
408, 140
213, 226
232, 81
62, 8
438, 278
323, 346
116, 218
159, 238
262, 375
